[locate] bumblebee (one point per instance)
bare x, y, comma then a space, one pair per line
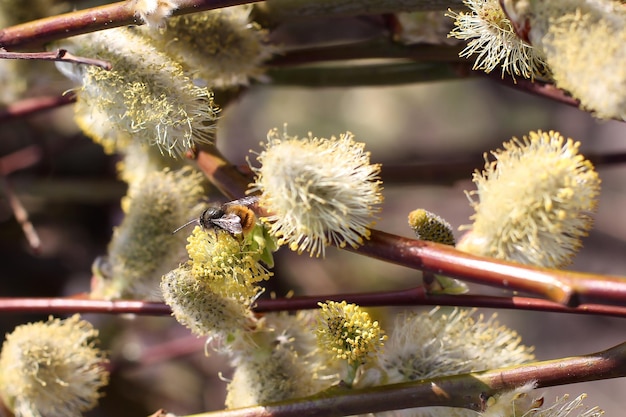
235, 217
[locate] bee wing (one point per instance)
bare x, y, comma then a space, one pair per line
246, 201
229, 222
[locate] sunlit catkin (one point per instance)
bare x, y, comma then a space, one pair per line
52, 368
143, 247
213, 292
583, 42
198, 307
318, 191
146, 97
282, 362
533, 202
493, 41
349, 334
222, 47
435, 344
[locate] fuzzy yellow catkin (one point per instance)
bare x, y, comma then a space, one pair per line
146, 97
52, 368
492, 39
223, 47
143, 247
439, 343
430, 227
348, 332
540, 220
213, 292
221, 259
319, 191
583, 42
282, 362
198, 307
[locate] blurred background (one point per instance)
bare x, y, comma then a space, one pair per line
69, 188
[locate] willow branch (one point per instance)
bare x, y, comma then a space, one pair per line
42, 31
464, 391
225, 176
563, 287
419, 297
121, 14
30, 106
60, 55
410, 297
80, 305
20, 213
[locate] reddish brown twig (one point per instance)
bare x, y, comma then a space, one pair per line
109, 16
225, 176
60, 55
21, 215
538, 88
418, 297
30, 106
409, 297
20, 159
564, 287
464, 391
82, 305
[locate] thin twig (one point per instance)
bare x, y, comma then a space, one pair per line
21, 215
30, 106
82, 305
464, 391
419, 297
537, 88
39, 32
60, 55
20, 159
409, 297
